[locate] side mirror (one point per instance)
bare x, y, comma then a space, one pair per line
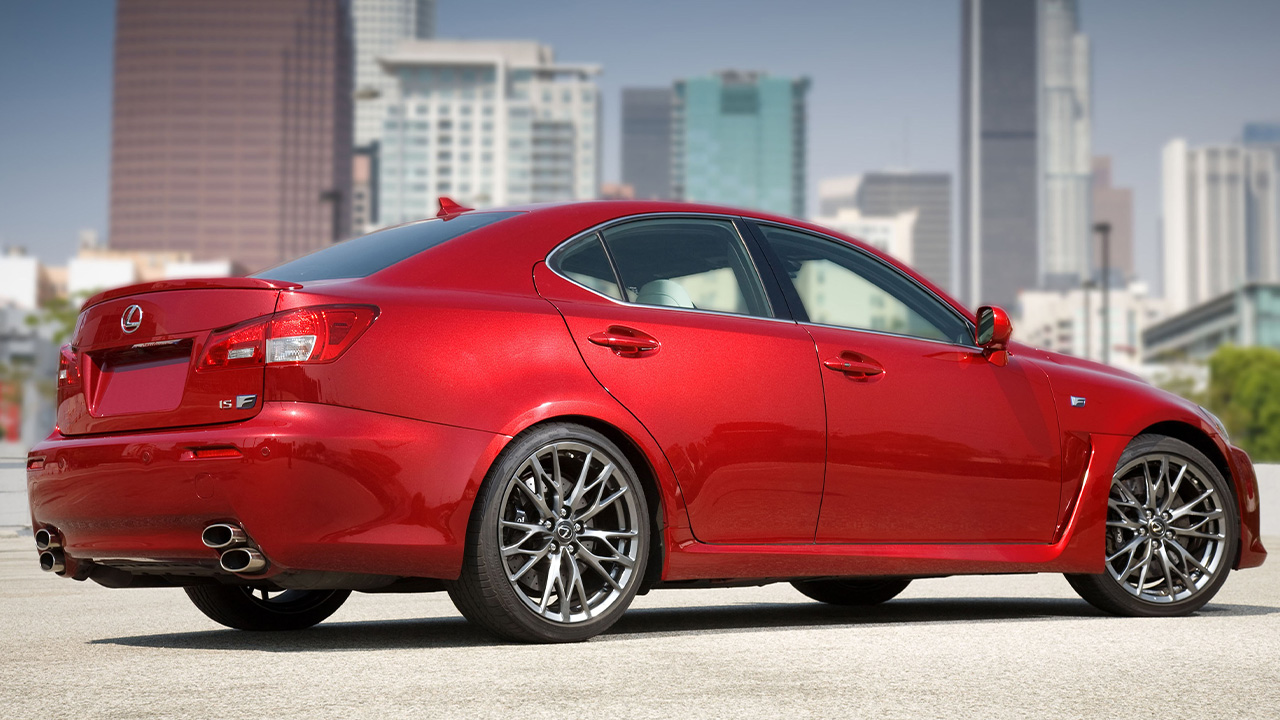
992, 335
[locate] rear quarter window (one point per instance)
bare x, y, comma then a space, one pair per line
365, 255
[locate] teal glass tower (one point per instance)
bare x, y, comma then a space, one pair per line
739, 139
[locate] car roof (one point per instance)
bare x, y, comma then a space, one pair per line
513, 246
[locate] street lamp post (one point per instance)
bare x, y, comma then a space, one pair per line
1104, 229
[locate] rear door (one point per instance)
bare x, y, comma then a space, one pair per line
134, 360
928, 441
688, 341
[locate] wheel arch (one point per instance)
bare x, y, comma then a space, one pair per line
1196, 438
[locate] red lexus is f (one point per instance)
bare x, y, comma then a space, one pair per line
547, 410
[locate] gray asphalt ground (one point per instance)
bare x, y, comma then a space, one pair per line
990, 647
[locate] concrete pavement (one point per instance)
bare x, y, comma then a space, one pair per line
980, 647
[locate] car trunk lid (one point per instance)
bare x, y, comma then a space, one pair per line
136, 349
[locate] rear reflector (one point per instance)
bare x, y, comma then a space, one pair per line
305, 335
211, 453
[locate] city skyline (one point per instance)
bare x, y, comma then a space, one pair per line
863, 117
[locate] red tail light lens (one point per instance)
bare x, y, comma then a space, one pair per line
306, 335
68, 368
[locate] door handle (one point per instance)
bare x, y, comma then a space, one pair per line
853, 368
624, 340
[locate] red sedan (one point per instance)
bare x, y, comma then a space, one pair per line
547, 410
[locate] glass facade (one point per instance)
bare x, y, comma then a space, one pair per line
739, 140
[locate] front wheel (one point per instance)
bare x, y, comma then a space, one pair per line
245, 608
557, 544
1172, 530
852, 591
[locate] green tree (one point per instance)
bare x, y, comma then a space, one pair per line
1244, 391
59, 316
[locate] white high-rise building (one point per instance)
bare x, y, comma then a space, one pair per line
1219, 221
487, 124
380, 26
894, 234
1065, 148
1075, 322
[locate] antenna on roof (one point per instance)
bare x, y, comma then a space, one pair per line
450, 209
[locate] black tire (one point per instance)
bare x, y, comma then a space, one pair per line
483, 593
237, 606
1106, 593
852, 591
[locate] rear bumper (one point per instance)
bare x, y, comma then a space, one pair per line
316, 487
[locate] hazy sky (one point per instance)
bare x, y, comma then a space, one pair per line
885, 84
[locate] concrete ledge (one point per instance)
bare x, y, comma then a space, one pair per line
1269, 493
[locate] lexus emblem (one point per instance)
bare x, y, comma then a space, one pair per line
132, 319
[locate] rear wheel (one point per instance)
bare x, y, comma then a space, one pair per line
1172, 530
852, 591
245, 608
558, 540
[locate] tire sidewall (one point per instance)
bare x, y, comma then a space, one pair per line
487, 545
1147, 444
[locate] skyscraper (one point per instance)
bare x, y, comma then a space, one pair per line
1025, 149
1219, 221
380, 26
1265, 136
738, 138
231, 128
892, 193
486, 123
1114, 206
1065, 150
646, 141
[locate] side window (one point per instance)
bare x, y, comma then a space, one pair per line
586, 263
840, 285
696, 263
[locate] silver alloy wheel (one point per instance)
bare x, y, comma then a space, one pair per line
1166, 529
569, 531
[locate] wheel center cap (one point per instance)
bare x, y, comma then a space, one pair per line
1156, 526
564, 531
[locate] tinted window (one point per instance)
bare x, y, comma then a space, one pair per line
841, 285
686, 262
585, 262
363, 256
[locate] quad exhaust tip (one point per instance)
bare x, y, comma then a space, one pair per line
222, 536
52, 561
243, 561
47, 540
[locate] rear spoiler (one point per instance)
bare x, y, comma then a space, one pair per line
245, 283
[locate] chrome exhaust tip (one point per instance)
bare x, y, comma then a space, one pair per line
47, 540
243, 561
221, 536
52, 561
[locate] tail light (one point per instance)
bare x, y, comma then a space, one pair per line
68, 368
305, 335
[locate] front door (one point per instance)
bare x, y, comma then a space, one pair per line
928, 441
687, 341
